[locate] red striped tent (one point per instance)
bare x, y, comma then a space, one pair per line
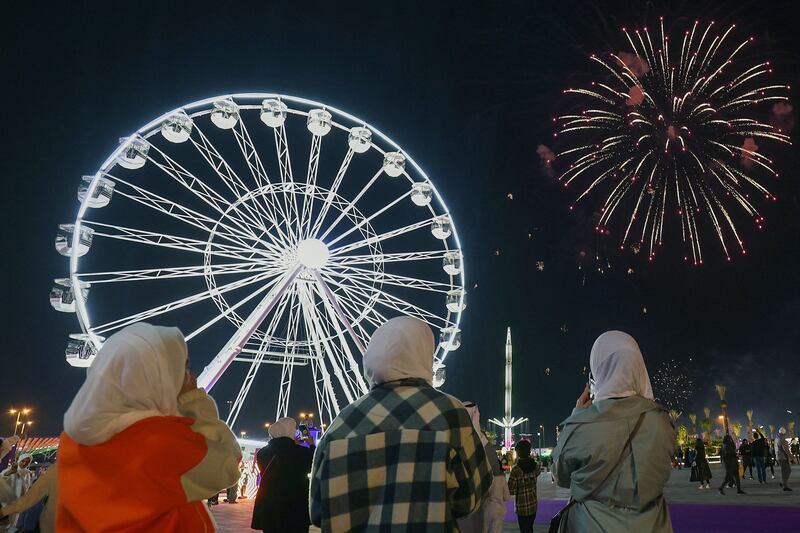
37, 444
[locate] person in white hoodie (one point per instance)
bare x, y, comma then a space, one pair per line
783, 455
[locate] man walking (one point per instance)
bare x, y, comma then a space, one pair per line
759, 449
783, 455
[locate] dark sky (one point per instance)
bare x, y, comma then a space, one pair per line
468, 89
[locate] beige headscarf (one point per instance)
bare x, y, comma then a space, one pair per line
137, 374
401, 348
618, 367
475, 417
284, 427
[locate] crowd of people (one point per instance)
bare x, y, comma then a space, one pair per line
143, 449
763, 452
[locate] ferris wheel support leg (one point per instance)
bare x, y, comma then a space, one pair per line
211, 373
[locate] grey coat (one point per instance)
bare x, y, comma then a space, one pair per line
632, 498
782, 452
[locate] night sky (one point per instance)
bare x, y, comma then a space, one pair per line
468, 89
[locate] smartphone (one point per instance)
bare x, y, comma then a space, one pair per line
303, 430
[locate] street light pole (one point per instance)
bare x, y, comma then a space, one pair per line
19, 413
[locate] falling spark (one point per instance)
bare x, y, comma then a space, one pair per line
672, 386
663, 134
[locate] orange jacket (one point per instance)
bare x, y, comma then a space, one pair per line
152, 476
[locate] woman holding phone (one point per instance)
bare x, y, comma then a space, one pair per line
615, 451
142, 446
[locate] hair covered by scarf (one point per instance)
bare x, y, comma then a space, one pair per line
475, 417
618, 367
137, 374
401, 348
284, 427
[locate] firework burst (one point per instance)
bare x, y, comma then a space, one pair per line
670, 130
672, 386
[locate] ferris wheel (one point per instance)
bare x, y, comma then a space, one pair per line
273, 230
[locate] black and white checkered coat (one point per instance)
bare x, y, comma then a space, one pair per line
402, 458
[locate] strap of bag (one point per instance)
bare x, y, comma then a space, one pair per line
608, 475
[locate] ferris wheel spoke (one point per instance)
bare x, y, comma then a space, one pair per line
178, 304
230, 309
186, 215
399, 304
287, 370
311, 183
285, 169
337, 181
231, 180
326, 396
335, 311
207, 194
371, 217
367, 275
147, 274
165, 240
358, 305
352, 203
382, 237
320, 341
395, 257
257, 170
257, 360
341, 350
212, 372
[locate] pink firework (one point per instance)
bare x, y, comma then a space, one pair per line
671, 131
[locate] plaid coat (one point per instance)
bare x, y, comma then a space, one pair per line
402, 458
523, 486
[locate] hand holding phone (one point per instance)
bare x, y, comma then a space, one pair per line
585, 399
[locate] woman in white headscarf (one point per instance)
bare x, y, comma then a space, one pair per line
281, 504
405, 456
143, 440
615, 451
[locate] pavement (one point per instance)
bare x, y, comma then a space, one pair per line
765, 508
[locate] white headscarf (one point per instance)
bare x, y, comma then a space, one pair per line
401, 348
284, 427
475, 417
618, 367
137, 374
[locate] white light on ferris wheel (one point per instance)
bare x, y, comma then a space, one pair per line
319, 122
273, 112
225, 114
441, 227
421, 193
359, 139
394, 163
177, 128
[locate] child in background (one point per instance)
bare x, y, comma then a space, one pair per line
522, 484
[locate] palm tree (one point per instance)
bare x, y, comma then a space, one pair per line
749, 421
693, 418
682, 435
771, 430
737, 429
721, 391
790, 427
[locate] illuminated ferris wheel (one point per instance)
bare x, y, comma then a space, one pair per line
272, 230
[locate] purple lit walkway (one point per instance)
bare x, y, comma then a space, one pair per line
764, 509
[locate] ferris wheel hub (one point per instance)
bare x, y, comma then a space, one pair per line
312, 253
